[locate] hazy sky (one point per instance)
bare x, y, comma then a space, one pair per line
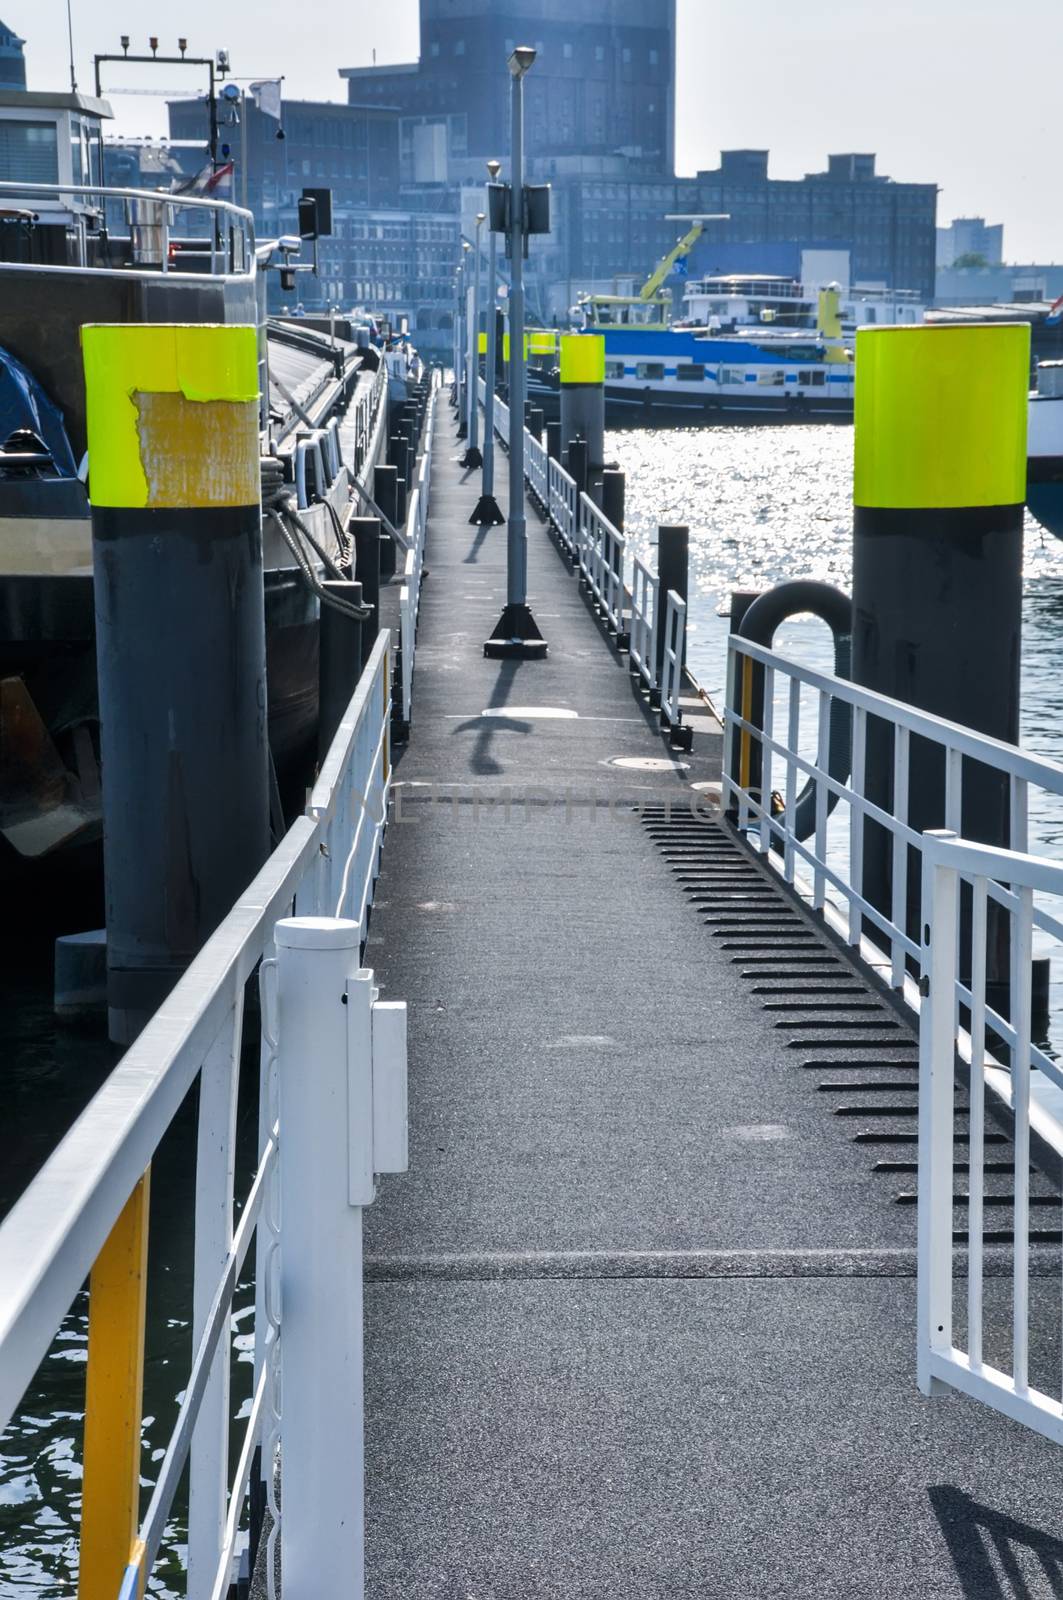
961, 92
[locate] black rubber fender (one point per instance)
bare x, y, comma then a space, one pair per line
759, 625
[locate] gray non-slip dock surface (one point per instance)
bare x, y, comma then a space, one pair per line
640, 1318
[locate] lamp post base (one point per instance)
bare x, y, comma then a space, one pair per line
471, 458
516, 636
486, 513
463, 429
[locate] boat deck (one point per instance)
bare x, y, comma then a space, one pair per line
641, 1316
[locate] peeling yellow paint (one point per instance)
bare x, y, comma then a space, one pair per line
198, 367
197, 453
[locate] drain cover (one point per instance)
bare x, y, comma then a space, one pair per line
648, 764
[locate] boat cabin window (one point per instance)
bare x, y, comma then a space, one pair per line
691, 372
653, 370
614, 369
811, 380
29, 152
732, 375
772, 379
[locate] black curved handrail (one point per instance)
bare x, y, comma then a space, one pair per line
759, 625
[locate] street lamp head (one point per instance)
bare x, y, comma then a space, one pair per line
493, 169
522, 58
481, 218
466, 246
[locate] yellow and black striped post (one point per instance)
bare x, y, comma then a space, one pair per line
939, 485
172, 414
583, 397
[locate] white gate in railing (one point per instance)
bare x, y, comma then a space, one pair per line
959, 1027
86, 1211
600, 556
642, 638
416, 530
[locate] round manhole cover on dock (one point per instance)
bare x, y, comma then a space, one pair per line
648, 764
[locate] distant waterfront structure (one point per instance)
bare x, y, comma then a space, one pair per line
603, 85
12, 59
970, 237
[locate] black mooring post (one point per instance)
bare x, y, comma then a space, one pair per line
536, 421
368, 544
673, 544
939, 485
386, 495
339, 660
553, 440
576, 463
180, 647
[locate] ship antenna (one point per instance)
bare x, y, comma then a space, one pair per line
70, 36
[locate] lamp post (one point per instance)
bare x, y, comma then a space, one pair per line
456, 392
463, 376
487, 514
515, 633
472, 456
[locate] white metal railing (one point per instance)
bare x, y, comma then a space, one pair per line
822, 853
600, 555
961, 883
642, 635
536, 464
675, 615
416, 530
562, 505
325, 867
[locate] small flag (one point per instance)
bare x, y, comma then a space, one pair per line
1055, 311
267, 97
206, 181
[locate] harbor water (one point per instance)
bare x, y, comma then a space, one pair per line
763, 504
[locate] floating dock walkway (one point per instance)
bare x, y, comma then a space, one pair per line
641, 1315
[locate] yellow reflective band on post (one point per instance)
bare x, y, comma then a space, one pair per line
941, 416
505, 347
582, 358
114, 1381
542, 341
170, 411
481, 343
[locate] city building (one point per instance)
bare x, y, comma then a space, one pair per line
382, 252
888, 227
971, 242
603, 83
1001, 285
12, 60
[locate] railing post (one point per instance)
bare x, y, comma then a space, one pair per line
937, 1051
322, 1440
114, 1383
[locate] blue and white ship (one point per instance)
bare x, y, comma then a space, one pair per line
651, 364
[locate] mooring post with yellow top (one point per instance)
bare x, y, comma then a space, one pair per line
938, 490
583, 400
172, 413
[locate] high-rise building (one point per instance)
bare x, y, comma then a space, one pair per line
603, 83
971, 237
12, 60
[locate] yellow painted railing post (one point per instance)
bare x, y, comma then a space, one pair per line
110, 1501
744, 744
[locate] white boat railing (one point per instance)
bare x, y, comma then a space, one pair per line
86, 1210
416, 530
600, 558
961, 883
